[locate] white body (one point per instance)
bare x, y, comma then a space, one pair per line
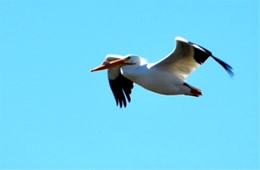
155, 80
166, 76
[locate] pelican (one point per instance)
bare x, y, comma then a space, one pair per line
167, 76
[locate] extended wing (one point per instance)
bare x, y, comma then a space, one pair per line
186, 57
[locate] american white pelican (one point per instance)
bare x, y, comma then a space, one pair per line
166, 76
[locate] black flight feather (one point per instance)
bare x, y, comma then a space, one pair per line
201, 54
121, 88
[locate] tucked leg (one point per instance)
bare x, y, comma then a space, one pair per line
194, 91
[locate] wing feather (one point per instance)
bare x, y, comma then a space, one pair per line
186, 57
121, 88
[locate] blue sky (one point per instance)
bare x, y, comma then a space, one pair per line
54, 113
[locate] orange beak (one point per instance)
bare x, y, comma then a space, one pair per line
111, 64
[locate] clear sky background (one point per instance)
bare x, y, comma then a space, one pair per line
54, 113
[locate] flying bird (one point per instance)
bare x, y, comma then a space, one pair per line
167, 76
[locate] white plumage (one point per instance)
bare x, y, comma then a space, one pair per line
166, 76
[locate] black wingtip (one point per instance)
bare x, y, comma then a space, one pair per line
201, 55
226, 66
121, 88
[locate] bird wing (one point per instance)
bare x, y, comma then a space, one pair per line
186, 57
120, 86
